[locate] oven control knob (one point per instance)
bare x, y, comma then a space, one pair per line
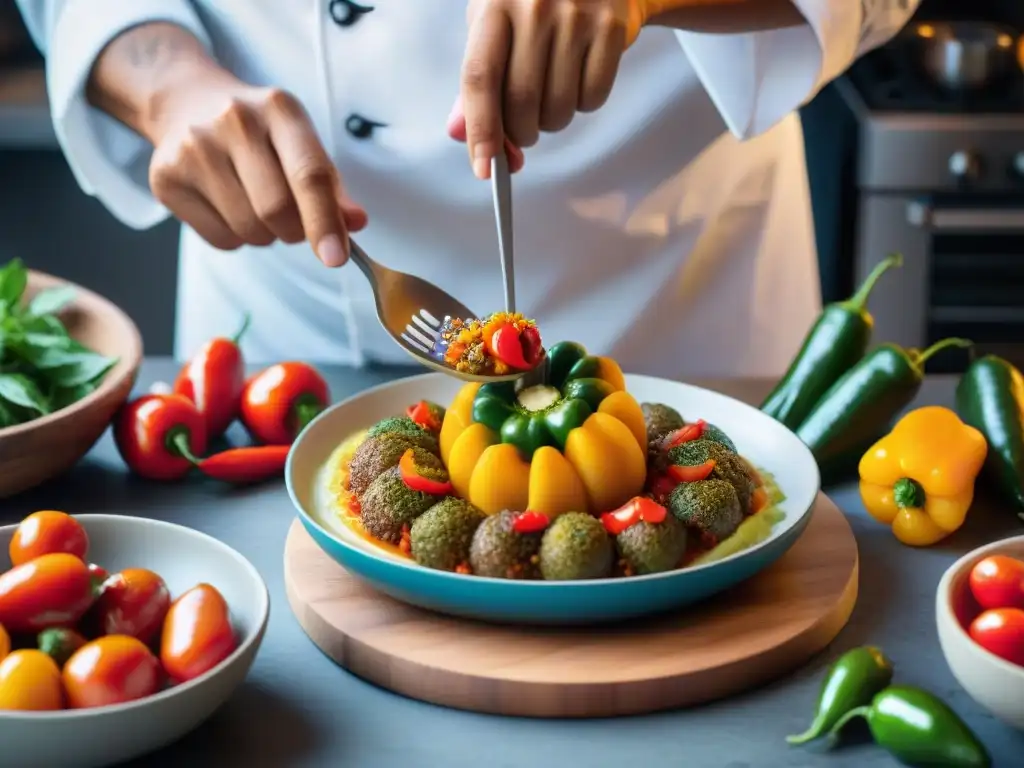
964, 166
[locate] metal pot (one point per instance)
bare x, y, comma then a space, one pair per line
966, 54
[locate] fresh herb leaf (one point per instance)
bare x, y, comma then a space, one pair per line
43, 325
62, 397
13, 279
18, 389
7, 416
51, 301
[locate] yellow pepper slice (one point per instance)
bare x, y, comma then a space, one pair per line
555, 488
626, 409
501, 480
919, 479
608, 460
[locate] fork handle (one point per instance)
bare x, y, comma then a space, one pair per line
366, 265
501, 186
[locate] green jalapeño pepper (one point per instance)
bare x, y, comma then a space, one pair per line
545, 413
919, 730
838, 339
990, 397
852, 681
862, 403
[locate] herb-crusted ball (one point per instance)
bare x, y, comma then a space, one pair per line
403, 425
653, 547
382, 452
389, 505
440, 538
728, 466
709, 506
576, 546
501, 552
661, 420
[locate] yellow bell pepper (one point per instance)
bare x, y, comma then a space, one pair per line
919, 479
602, 466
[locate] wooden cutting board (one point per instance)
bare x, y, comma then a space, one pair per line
758, 631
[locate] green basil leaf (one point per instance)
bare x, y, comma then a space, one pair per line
62, 397
8, 416
13, 279
71, 369
51, 301
20, 390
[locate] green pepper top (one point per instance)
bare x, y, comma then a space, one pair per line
545, 413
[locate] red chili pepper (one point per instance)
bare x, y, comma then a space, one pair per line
417, 482
252, 464
621, 519
692, 474
159, 436
530, 522
213, 379
684, 435
423, 414
650, 510
278, 402
660, 485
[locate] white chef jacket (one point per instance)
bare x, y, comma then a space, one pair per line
671, 229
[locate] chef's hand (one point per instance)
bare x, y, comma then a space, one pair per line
531, 65
243, 165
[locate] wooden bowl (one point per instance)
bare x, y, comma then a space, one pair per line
39, 450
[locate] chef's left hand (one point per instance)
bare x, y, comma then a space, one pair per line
531, 65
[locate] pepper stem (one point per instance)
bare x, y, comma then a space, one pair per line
810, 734
177, 442
920, 358
306, 409
859, 301
845, 719
246, 319
908, 494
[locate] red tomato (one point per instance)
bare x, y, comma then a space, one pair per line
279, 401
46, 532
134, 603
51, 591
1001, 631
998, 582
110, 670
99, 574
197, 634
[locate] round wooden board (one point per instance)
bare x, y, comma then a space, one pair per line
758, 631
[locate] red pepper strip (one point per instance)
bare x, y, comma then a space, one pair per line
422, 414
530, 522
252, 464
508, 348
684, 435
213, 379
622, 518
692, 474
533, 347
417, 482
650, 510
660, 485
159, 436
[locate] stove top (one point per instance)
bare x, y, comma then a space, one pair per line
892, 79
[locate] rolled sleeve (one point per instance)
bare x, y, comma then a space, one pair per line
756, 79
109, 161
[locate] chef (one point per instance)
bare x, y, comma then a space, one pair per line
662, 213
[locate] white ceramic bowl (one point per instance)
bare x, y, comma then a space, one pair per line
90, 738
994, 683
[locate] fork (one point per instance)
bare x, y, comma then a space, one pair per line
412, 311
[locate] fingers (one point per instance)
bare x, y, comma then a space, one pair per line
483, 77
312, 179
601, 62
527, 72
565, 72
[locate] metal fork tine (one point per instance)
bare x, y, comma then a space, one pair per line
433, 333
415, 344
431, 320
417, 334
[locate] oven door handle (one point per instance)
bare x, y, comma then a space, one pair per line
978, 220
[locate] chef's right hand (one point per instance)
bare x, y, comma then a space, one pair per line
243, 165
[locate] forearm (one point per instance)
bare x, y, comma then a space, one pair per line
142, 69
723, 16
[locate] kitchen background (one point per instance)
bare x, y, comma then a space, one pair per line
897, 160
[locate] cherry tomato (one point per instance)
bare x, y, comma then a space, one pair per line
46, 532
197, 634
133, 602
998, 582
60, 644
1001, 631
99, 575
110, 670
5, 643
30, 681
278, 402
51, 591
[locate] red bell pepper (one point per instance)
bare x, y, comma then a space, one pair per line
530, 522
411, 477
279, 401
660, 485
637, 509
685, 474
213, 379
252, 464
160, 436
650, 510
520, 350
422, 413
684, 435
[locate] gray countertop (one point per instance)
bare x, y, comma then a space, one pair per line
298, 709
